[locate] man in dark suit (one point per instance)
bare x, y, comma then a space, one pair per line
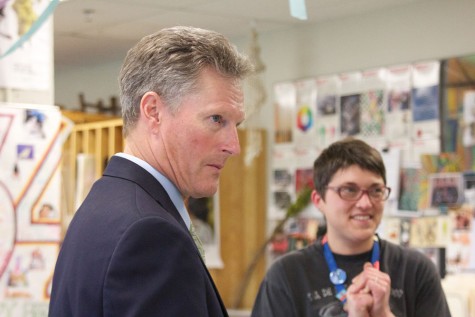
128, 251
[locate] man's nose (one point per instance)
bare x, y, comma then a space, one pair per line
232, 145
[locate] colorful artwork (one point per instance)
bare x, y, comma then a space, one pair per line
409, 190
460, 250
425, 100
398, 100
327, 108
372, 113
469, 118
428, 232
31, 142
303, 178
425, 103
306, 98
326, 104
446, 189
350, 115
282, 185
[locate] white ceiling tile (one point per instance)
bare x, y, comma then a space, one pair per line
116, 24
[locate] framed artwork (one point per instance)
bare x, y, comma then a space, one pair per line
350, 115
446, 189
409, 192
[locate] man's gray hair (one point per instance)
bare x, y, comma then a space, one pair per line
169, 62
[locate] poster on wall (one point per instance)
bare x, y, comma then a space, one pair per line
31, 139
350, 108
372, 103
410, 178
372, 115
30, 65
326, 123
428, 232
442, 163
469, 118
283, 182
392, 161
460, 253
445, 189
304, 161
399, 115
350, 114
425, 100
304, 126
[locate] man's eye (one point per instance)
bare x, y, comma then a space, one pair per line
217, 118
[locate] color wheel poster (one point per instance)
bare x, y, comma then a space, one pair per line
304, 128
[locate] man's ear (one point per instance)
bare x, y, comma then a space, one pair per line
151, 108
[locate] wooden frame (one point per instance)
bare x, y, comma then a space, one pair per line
101, 139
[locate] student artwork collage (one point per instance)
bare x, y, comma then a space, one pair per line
395, 109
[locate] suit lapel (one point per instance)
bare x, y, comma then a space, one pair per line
223, 308
123, 168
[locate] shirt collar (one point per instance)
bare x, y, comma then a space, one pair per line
169, 187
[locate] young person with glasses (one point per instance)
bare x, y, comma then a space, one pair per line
350, 271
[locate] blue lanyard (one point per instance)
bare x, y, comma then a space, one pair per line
337, 275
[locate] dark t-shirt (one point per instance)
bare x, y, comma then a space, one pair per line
297, 284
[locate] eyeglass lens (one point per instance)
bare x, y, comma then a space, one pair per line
355, 193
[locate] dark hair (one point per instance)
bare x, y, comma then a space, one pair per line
343, 154
169, 62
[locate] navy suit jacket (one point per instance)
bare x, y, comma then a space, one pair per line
128, 252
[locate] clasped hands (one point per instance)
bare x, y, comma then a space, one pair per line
368, 294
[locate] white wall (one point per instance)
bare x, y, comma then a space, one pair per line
96, 82
424, 31
433, 29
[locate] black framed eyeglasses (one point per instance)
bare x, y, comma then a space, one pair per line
353, 193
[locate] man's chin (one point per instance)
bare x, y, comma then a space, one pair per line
209, 191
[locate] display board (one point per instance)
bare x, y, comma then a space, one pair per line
31, 139
399, 110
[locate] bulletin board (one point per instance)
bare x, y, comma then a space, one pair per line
421, 117
395, 109
31, 139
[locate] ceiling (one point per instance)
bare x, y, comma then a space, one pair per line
93, 31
